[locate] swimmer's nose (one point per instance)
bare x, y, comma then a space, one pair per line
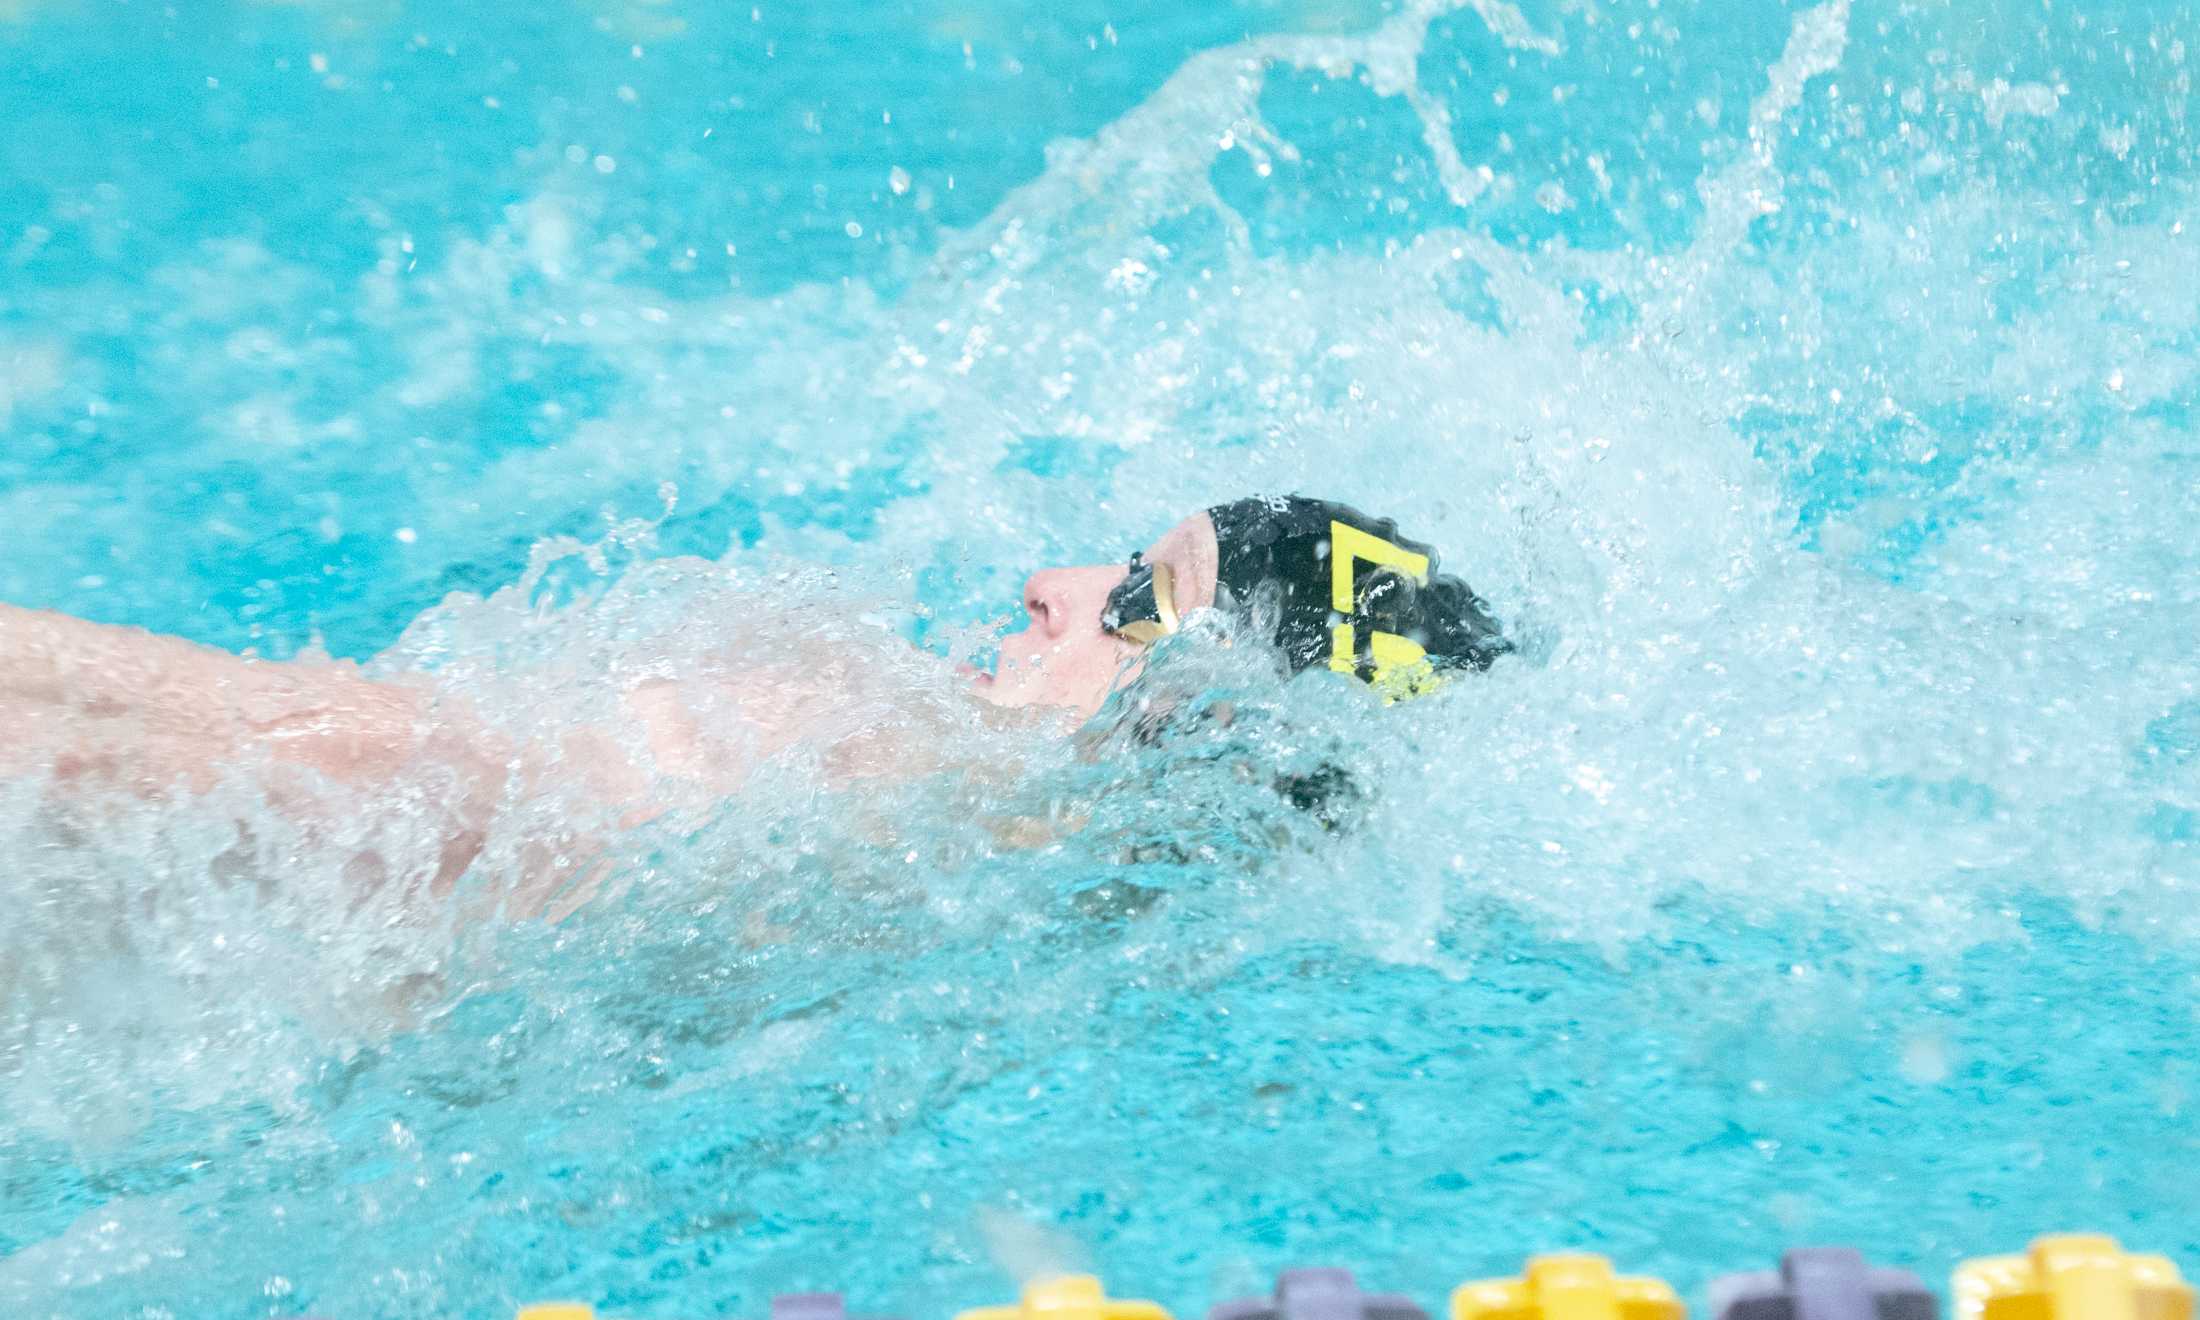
1046, 600
1065, 600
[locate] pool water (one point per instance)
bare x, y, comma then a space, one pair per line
1811, 389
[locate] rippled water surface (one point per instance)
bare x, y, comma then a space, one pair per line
1810, 388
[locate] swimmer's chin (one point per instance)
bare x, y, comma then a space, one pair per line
1006, 710
987, 687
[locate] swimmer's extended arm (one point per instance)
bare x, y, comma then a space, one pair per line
151, 713
98, 707
101, 708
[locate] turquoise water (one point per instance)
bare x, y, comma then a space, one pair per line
1811, 389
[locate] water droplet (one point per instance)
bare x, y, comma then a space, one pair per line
1925, 1059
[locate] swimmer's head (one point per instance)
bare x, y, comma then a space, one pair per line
1326, 585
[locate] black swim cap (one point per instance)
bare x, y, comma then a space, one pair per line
1329, 586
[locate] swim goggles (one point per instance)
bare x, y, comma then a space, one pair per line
1142, 607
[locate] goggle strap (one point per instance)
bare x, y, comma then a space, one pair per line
1164, 597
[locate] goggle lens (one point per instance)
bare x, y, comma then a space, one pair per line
1142, 607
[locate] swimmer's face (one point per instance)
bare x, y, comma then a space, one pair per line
1064, 658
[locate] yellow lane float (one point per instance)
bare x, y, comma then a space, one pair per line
2072, 1276
1567, 1286
1068, 1297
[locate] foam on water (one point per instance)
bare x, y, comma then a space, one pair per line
1835, 472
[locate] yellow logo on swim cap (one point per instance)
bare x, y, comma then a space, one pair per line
1401, 665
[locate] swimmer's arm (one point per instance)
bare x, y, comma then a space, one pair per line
152, 713
98, 706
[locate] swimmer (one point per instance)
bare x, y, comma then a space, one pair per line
98, 707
